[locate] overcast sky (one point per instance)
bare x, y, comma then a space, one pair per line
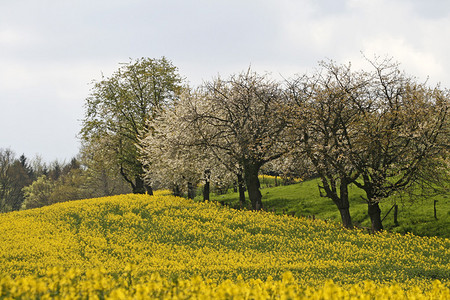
50, 50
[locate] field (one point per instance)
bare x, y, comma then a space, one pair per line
303, 199
139, 246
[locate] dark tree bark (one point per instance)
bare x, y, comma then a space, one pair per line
206, 187
241, 188
374, 212
345, 217
176, 190
252, 181
344, 205
341, 199
372, 194
191, 191
139, 186
396, 215
149, 189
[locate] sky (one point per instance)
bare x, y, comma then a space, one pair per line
52, 50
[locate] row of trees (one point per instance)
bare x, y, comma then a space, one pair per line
380, 130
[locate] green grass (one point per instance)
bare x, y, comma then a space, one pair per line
303, 199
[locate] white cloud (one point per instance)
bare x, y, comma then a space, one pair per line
377, 27
415, 61
12, 38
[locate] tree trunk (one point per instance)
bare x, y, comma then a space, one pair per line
241, 191
341, 199
138, 187
344, 205
191, 191
346, 218
252, 182
375, 216
149, 189
176, 190
396, 215
206, 187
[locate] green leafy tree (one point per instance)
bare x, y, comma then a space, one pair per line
119, 108
38, 194
103, 176
71, 184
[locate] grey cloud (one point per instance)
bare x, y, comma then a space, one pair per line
51, 49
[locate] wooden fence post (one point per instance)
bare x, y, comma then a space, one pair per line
435, 213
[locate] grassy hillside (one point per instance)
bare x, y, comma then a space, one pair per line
303, 199
114, 247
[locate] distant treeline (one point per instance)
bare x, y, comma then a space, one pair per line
29, 183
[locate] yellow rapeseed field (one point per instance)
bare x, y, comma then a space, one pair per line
165, 247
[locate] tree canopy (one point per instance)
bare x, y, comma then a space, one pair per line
120, 106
